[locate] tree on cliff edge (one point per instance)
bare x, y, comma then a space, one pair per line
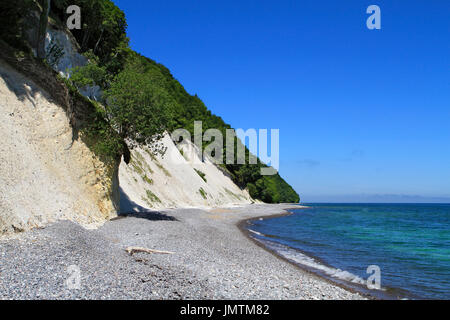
139, 107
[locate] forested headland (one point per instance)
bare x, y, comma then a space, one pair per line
141, 99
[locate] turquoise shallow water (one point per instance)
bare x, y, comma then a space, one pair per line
409, 242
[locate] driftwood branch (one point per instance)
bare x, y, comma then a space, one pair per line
132, 250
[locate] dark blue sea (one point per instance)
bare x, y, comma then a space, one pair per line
410, 243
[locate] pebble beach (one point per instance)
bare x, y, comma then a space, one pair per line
209, 257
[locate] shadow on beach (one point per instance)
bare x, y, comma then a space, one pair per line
129, 208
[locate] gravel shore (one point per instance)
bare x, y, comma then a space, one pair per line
212, 259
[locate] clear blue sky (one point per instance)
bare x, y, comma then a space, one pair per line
364, 115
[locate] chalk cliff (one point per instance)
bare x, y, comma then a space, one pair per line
177, 179
46, 173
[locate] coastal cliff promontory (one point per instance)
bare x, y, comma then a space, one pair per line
84, 120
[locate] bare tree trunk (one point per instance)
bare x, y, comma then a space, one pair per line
132, 250
98, 42
84, 42
43, 20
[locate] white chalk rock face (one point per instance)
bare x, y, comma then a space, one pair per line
45, 175
62, 54
92, 92
63, 51
175, 180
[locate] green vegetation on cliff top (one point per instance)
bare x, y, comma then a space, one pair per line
142, 99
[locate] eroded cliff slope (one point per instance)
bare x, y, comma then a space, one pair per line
177, 179
47, 173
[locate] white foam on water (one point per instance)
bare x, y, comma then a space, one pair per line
307, 261
256, 232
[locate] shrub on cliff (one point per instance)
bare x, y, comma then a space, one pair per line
139, 108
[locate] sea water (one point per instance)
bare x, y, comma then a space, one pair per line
409, 243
